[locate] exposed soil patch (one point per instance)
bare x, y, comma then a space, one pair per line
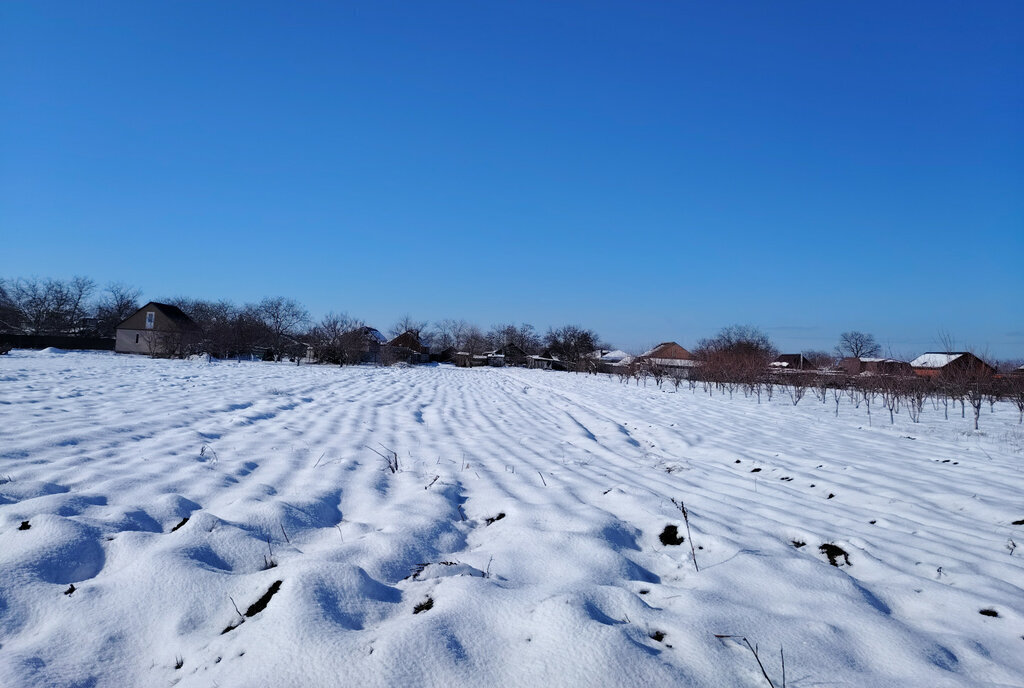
24, 526
989, 612
492, 519
261, 604
797, 543
670, 536
71, 589
1019, 523
658, 635
755, 470
180, 524
833, 552
423, 606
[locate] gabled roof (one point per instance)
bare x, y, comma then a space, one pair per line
668, 350
609, 356
373, 333
936, 359
509, 349
794, 361
177, 316
407, 340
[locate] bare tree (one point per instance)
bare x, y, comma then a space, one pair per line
523, 336
283, 317
572, 344
449, 333
474, 340
52, 306
798, 383
737, 354
822, 360
857, 345
1015, 383
117, 302
10, 315
331, 338
407, 324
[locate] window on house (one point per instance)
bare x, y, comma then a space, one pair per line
136, 339
150, 319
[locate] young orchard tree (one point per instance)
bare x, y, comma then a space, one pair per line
855, 344
736, 354
798, 383
1015, 391
967, 383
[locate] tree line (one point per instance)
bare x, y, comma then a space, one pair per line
737, 361
274, 327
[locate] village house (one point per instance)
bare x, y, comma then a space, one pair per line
669, 355
545, 360
792, 362
511, 354
363, 345
466, 359
156, 329
406, 347
610, 361
951, 364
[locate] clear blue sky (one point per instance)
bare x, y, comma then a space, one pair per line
652, 170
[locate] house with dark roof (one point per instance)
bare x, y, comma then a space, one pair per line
792, 362
545, 360
363, 345
406, 347
446, 355
512, 354
156, 329
951, 364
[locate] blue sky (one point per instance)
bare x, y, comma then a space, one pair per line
653, 171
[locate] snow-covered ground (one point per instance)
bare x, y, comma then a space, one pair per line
520, 542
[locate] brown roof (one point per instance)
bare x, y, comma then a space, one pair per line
407, 340
668, 350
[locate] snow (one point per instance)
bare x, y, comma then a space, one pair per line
934, 360
610, 356
518, 543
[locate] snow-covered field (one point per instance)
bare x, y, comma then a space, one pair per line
520, 543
